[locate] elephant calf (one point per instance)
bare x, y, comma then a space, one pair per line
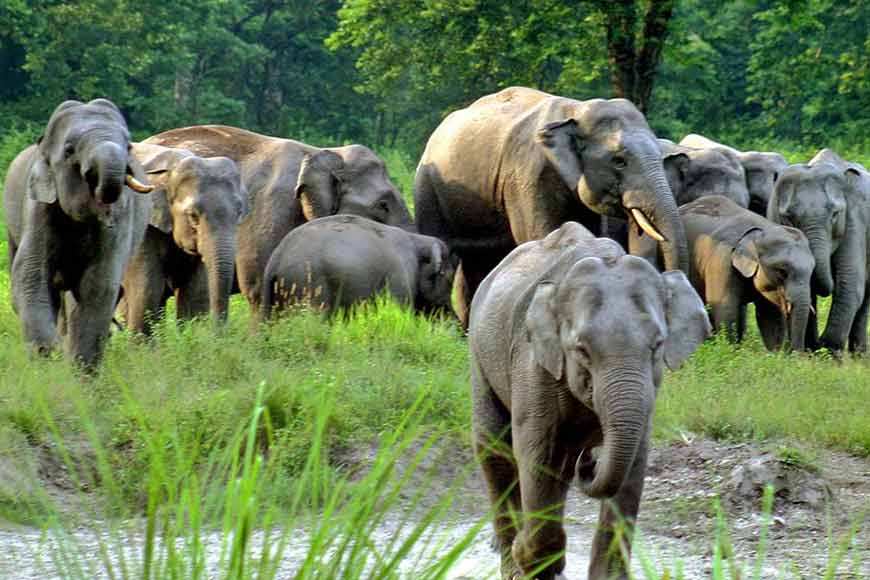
190, 245
337, 261
738, 257
568, 338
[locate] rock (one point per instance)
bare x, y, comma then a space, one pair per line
745, 485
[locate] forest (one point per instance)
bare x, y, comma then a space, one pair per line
384, 72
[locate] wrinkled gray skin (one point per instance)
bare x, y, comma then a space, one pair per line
190, 244
694, 173
334, 262
762, 169
515, 165
739, 257
569, 337
289, 183
829, 200
73, 223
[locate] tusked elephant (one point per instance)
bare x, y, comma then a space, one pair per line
739, 257
569, 338
829, 200
75, 215
334, 262
762, 169
694, 173
190, 244
289, 183
515, 165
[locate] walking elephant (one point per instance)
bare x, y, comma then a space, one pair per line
515, 165
739, 257
334, 262
190, 244
694, 173
762, 169
289, 182
569, 338
829, 200
74, 217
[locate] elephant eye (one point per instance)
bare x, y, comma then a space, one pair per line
582, 349
618, 162
658, 344
68, 149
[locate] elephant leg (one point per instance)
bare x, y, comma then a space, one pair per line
771, 324
858, 332
89, 320
191, 298
471, 272
33, 298
492, 445
542, 462
611, 547
728, 314
144, 288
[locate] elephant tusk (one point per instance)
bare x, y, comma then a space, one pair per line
813, 309
646, 225
137, 185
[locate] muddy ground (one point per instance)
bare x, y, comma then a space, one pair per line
818, 500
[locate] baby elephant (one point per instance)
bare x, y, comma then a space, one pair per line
569, 337
336, 261
738, 257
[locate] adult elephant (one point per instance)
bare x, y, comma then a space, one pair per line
569, 338
190, 244
694, 173
762, 169
739, 257
74, 218
289, 182
513, 166
829, 200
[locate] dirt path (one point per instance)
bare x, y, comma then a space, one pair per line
678, 522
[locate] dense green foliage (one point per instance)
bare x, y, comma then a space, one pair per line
385, 73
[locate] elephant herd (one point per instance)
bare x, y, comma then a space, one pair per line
576, 248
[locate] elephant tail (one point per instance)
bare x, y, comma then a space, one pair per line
266, 298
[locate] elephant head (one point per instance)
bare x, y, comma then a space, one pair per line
349, 180
83, 161
780, 264
437, 267
694, 173
762, 171
200, 201
606, 154
813, 199
607, 327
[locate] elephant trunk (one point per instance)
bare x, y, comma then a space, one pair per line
624, 405
799, 317
820, 244
658, 207
105, 171
219, 254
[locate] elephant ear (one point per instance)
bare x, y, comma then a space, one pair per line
158, 163
744, 256
319, 184
676, 165
40, 181
688, 323
560, 141
543, 330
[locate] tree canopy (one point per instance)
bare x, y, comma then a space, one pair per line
385, 72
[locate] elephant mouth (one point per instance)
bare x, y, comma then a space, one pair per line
585, 468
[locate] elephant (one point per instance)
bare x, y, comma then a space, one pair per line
829, 200
190, 243
288, 183
739, 257
515, 165
693, 173
568, 339
334, 262
76, 211
762, 169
